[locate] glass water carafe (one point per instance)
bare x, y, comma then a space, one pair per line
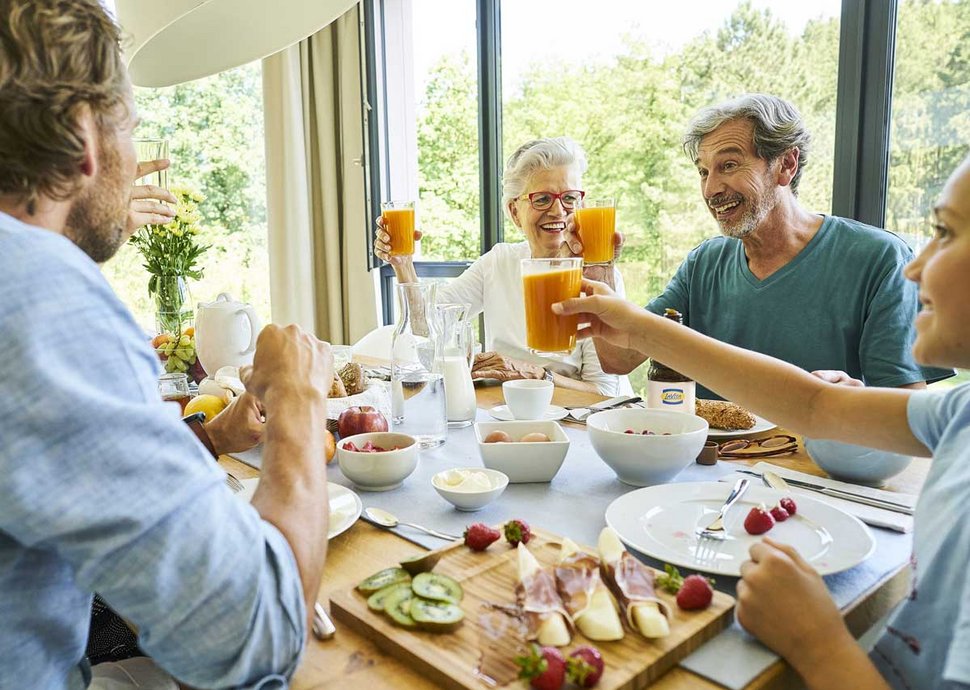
417, 385
456, 354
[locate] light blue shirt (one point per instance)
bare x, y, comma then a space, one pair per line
842, 303
103, 488
926, 643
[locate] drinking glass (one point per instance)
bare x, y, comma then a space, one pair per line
545, 282
174, 387
151, 150
399, 224
596, 223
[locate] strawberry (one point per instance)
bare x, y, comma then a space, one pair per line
543, 667
479, 536
788, 504
759, 520
671, 580
695, 593
517, 531
779, 513
585, 666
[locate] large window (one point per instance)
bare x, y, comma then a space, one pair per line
214, 127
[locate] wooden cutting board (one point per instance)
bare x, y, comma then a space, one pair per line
482, 647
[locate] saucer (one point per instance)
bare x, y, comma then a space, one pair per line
553, 413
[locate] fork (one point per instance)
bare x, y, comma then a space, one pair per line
715, 530
234, 484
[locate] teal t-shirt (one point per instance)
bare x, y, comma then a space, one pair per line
841, 303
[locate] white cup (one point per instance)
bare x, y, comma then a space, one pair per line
527, 398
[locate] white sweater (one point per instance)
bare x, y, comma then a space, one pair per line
493, 284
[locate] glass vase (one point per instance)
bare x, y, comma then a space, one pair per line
175, 325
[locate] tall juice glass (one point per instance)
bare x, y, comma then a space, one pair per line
596, 222
399, 223
545, 282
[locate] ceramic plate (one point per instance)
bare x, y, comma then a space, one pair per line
662, 522
760, 425
553, 413
345, 505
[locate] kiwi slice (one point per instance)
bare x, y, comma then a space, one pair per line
422, 563
437, 587
397, 605
375, 602
382, 579
435, 616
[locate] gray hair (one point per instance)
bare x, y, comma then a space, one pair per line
778, 127
535, 155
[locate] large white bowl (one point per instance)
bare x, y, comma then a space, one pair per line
523, 462
853, 463
378, 471
644, 460
471, 500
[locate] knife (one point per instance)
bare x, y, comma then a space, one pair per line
323, 627
775, 481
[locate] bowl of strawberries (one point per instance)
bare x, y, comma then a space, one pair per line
377, 461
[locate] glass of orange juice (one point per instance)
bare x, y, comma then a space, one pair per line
596, 223
545, 282
399, 224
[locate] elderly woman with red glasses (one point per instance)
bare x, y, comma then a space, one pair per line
541, 187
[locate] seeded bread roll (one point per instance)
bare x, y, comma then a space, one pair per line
725, 415
353, 377
337, 389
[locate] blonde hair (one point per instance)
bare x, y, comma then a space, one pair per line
58, 59
538, 154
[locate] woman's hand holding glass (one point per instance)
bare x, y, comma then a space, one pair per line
382, 245
607, 316
492, 365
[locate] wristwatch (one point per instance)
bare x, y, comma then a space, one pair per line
196, 423
547, 376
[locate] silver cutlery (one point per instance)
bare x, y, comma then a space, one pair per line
882, 503
234, 484
580, 413
382, 518
716, 530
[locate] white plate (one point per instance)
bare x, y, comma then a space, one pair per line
760, 425
345, 505
662, 522
553, 413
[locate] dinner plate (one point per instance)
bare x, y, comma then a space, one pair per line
553, 413
663, 521
345, 505
760, 425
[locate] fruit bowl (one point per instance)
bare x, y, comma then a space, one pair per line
380, 471
852, 463
645, 459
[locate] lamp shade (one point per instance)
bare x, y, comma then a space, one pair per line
174, 41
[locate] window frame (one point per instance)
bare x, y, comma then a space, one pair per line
863, 118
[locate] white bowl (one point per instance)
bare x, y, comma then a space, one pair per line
523, 462
378, 471
475, 499
644, 460
853, 463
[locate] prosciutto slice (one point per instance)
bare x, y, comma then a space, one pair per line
632, 584
548, 621
585, 596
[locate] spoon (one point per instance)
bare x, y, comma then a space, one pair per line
385, 519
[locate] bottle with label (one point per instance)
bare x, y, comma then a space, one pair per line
666, 388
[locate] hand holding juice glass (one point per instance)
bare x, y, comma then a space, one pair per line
596, 223
399, 224
545, 282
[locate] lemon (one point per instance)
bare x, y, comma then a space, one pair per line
209, 405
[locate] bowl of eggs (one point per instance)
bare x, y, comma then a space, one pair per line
525, 451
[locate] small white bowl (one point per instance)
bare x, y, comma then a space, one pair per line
644, 460
378, 471
470, 500
852, 463
523, 462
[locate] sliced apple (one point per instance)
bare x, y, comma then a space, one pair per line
632, 583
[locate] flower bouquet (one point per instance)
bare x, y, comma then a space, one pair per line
171, 253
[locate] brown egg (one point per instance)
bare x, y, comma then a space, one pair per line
498, 436
534, 437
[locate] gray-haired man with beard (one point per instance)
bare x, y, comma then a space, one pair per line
822, 292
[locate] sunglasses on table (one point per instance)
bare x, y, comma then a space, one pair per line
781, 444
543, 201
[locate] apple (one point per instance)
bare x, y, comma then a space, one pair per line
360, 420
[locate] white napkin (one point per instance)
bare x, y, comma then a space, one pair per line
877, 517
377, 394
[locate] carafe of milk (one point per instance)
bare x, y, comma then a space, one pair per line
455, 361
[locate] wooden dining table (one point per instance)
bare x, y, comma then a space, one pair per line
350, 660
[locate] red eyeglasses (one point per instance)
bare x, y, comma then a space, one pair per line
542, 201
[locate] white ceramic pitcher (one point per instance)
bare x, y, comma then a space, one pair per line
225, 333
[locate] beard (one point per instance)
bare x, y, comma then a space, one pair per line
98, 219
753, 215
